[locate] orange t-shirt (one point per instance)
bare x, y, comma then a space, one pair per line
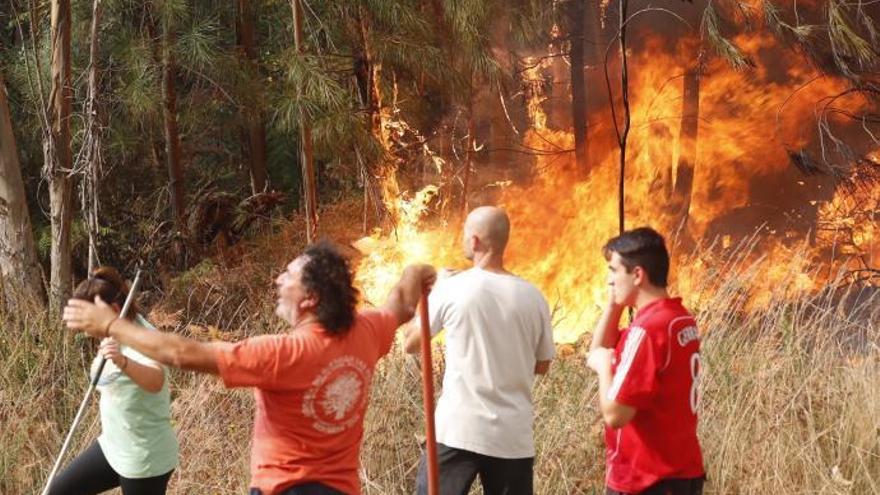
311, 392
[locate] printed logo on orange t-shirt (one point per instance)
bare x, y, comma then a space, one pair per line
333, 399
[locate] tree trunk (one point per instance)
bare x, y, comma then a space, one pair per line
687, 158
92, 152
256, 131
624, 128
366, 73
19, 269
576, 23
172, 139
308, 170
594, 55
469, 157
60, 182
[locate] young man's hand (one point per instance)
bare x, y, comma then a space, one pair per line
93, 319
600, 359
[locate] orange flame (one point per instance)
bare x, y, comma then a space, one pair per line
559, 222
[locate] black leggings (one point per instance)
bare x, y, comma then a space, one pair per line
90, 474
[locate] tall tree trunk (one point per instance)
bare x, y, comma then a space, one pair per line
687, 158
172, 140
92, 150
621, 129
366, 73
60, 160
576, 23
308, 169
19, 269
256, 131
469, 156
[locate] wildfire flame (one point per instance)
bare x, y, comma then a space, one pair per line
560, 221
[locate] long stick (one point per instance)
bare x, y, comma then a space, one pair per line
92, 384
428, 399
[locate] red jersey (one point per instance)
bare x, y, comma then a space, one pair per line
657, 361
311, 391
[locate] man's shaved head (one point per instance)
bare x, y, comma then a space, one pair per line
491, 225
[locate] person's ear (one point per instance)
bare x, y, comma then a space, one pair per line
475, 243
641, 276
309, 303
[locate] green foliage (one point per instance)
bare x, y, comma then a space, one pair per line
197, 47
711, 28
851, 51
773, 17
422, 61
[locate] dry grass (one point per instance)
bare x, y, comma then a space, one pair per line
790, 397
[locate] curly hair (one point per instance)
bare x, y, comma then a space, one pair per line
327, 275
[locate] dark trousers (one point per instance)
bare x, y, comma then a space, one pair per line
90, 474
459, 468
672, 486
306, 489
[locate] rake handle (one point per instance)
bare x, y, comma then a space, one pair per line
428, 399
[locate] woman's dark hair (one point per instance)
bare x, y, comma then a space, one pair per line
106, 282
642, 247
327, 275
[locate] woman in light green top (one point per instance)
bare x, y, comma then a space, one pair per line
137, 448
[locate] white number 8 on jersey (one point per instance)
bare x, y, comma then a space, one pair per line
695, 380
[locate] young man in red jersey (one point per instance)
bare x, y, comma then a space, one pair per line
647, 375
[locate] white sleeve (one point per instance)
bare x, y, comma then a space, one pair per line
437, 307
135, 355
545, 349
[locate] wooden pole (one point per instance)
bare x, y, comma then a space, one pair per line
428, 400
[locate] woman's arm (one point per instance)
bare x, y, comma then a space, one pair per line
149, 377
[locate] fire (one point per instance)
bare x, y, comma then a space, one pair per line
747, 122
850, 222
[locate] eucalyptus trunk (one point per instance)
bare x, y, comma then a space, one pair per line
173, 158
58, 157
687, 157
576, 23
308, 169
255, 128
20, 275
92, 153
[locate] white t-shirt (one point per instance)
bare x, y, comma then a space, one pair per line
497, 328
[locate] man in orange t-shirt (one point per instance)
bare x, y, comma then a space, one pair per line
311, 384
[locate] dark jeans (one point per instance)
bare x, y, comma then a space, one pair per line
306, 489
90, 474
459, 468
672, 486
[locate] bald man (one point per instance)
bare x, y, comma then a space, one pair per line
498, 337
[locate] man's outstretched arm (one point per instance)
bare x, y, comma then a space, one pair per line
100, 320
405, 296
